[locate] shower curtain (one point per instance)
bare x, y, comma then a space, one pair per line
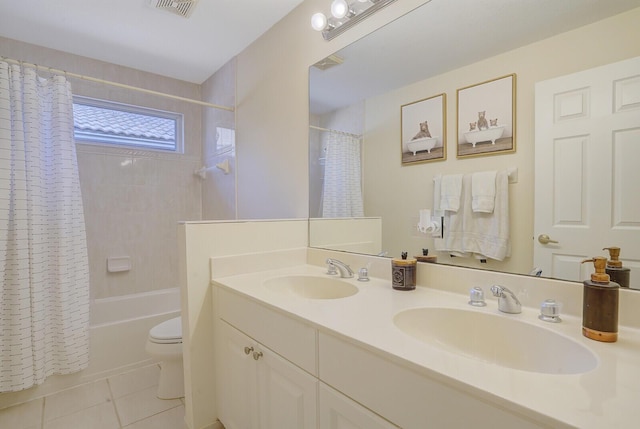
342, 189
44, 297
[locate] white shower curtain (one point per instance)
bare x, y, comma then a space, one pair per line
342, 190
44, 298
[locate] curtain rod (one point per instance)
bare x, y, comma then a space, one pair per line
335, 131
119, 85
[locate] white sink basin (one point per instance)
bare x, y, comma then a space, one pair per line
312, 287
496, 339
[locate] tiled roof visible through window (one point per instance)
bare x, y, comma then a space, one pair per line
91, 118
102, 124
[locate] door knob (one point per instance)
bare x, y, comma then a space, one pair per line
544, 239
257, 355
248, 350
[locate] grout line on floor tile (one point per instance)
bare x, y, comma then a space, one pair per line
115, 411
156, 364
152, 415
42, 413
113, 403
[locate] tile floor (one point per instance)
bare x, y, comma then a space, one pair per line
124, 401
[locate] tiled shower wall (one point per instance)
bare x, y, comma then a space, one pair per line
133, 200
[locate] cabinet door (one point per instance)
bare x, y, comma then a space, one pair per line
287, 395
236, 369
340, 412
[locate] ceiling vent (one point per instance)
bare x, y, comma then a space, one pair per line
331, 61
179, 7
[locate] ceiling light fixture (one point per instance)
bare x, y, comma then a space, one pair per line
340, 9
345, 15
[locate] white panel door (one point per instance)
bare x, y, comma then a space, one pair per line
287, 394
587, 169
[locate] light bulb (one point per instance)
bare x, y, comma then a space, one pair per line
339, 8
318, 21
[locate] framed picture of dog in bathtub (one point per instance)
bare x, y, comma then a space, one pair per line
423, 134
487, 117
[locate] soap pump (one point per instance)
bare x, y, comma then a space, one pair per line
600, 304
616, 271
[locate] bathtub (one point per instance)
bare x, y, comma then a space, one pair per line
125, 308
426, 143
118, 330
120, 325
491, 134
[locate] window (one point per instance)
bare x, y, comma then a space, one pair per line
111, 123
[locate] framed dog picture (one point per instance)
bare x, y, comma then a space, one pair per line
487, 118
423, 134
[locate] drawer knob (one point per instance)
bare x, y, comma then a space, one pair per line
248, 350
257, 355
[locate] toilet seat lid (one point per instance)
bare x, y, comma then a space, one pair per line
168, 330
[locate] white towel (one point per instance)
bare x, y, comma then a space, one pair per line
488, 233
450, 191
453, 231
483, 191
467, 233
437, 181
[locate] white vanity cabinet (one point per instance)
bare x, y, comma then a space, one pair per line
337, 411
259, 389
276, 371
261, 355
267, 366
292, 339
405, 396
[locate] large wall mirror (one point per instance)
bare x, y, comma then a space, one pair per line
363, 198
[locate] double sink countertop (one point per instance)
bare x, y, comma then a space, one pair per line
604, 397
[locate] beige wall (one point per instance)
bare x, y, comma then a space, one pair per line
218, 188
397, 193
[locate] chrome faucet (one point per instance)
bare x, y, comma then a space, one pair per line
344, 269
507, 301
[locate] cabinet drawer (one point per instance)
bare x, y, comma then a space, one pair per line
292, 339
406, 397
338, 412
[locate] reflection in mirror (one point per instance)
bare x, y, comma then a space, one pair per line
439, 48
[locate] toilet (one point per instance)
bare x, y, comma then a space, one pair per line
164, 343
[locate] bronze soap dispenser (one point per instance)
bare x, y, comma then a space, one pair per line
616, 271
600, 304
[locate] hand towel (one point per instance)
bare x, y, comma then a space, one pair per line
483, 191
488, 234
450, 190
437, 181
482, 235
453, 233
